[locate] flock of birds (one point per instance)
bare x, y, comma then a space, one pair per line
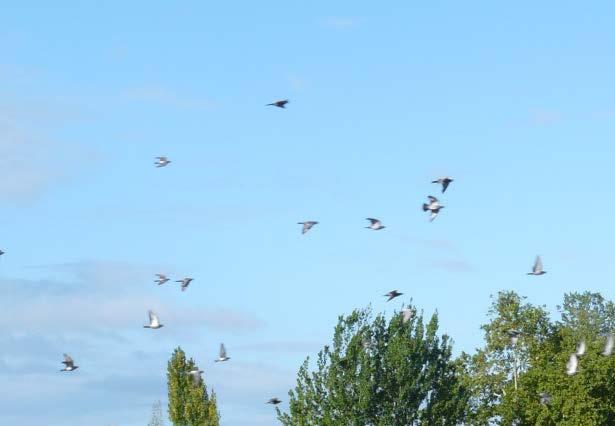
433, 206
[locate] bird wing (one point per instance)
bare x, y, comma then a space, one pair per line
608, 347
445, 183
581, 348
538, 264
222, 351
433, 215
68, 360
153, 318
432, 198
572, 365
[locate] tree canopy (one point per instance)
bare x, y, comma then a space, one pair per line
396, 372
189, 402
380, 372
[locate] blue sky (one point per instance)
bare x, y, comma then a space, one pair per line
515, 101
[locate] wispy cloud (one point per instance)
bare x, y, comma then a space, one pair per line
30, 157
104, 295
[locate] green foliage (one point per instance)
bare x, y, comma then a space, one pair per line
539, 361
189, 402
380, 373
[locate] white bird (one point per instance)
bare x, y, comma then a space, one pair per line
307, 225
433, 207
571, 366
407, 315
222, 357
69, 364
444, 181
185, 282
153, 321
608, 346
581, 348
375, 224
162, 278
537, 268
162, 161
196, 375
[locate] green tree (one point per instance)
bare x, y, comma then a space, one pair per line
380, 373
189, 402
586, 398
157, 417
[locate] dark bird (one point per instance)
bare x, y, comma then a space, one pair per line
392, 295
153, 321
1, 252
162, 278
185, 282
274, 401
279, 104
433, 207
307, 225
444, 181
375, 224
162, 161
69, 364
537, 268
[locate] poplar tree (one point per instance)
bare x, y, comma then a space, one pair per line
189, 402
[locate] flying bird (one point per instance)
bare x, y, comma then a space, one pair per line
153, 321
537, 268
545, 398
392, 295
571, 366
162, 278
196, 375
279, 104
407, 315
608, 346
514, 336
444, 181
162, 161
433, 207
1, 252
69, 364
581, 348
222, 357
307, 225
274, 401
375, 224
185, 282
